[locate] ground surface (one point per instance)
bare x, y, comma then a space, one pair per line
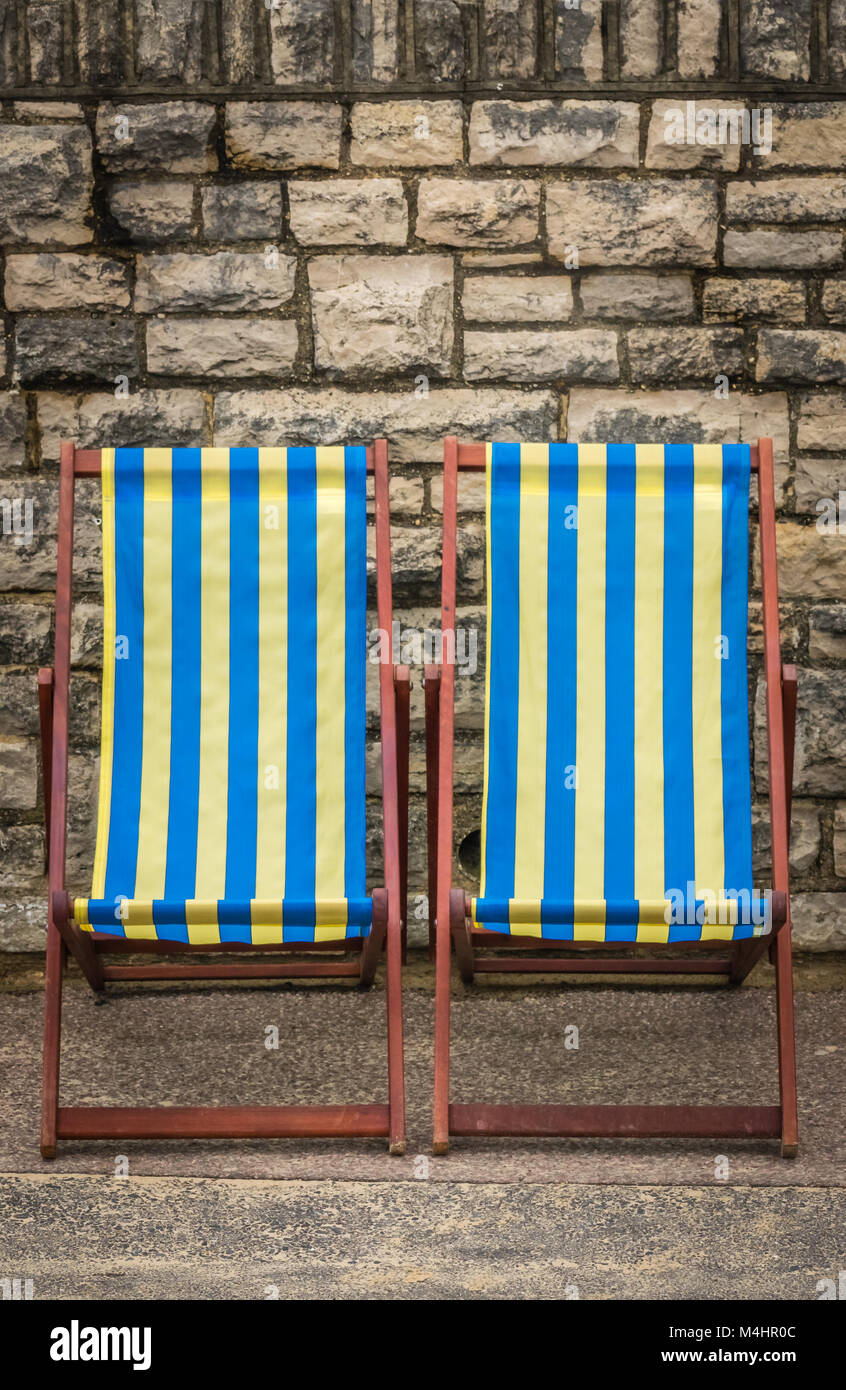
495, 1219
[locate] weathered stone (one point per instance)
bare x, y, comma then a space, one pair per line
810, 134
25, 630
176, 137
375, 40
283, 135
761, 300
47, 183
46, 112
578, 39
19, 779
302, 42
439, 33
45, 40
248, 211
142, 418
675, 354
413, 421
827, 632
510, 38
837, 38
822, 422
819, 767
363, 212
633, 222
833, 300
716, 130
804, 839
678, 417
818, 921
816, 478
600, 134
811, 563
241, 23
517, 298
775, 37
98, 348
154, 211
408, 133
406, 495
23, 923
820, 199
21, 858
221, 347
637, 296
99, 41
640, 37
381, 313
698, 44
801, 355
781, 249
476, 212
223, 280
500, 260
13, 425
168, 39
472, 494
840, 840
586, 354
66, 281
87, 634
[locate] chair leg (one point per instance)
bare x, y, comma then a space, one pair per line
56, 956
396, 1064
786, 1045
440, 1144
402, 684
432, 689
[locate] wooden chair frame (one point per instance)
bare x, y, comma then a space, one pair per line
91, 949
449, 921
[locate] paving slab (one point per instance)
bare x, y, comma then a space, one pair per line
646, 1044
85, 1237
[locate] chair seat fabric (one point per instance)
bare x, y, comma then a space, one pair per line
232, 777
617, 798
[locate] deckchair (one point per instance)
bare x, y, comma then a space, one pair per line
617, 802
232, 774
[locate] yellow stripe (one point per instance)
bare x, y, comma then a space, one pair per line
530, 808
201, 921
488, 571
649, 686
158, 641
273, 678
107, 723
214, 680
589, 876
331, 681
707, 668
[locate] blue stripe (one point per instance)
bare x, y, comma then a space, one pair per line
561, 611
301, 818
242, 800
679, 862
504, 639
128, 657
186, 589
619, 676
737, 791
355, 524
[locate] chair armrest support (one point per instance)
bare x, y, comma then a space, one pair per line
402, 696
432, 689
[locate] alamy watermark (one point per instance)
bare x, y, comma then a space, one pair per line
412, 646
694, 124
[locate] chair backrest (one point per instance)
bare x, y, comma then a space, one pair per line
233, 734
617, 767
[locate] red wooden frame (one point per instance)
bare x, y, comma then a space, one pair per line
450, 923
91, 949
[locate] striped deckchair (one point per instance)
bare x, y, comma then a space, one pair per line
232, 772
617, 803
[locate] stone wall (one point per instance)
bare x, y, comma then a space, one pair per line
327, 219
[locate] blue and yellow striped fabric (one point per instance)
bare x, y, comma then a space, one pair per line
232, 777
617, 803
